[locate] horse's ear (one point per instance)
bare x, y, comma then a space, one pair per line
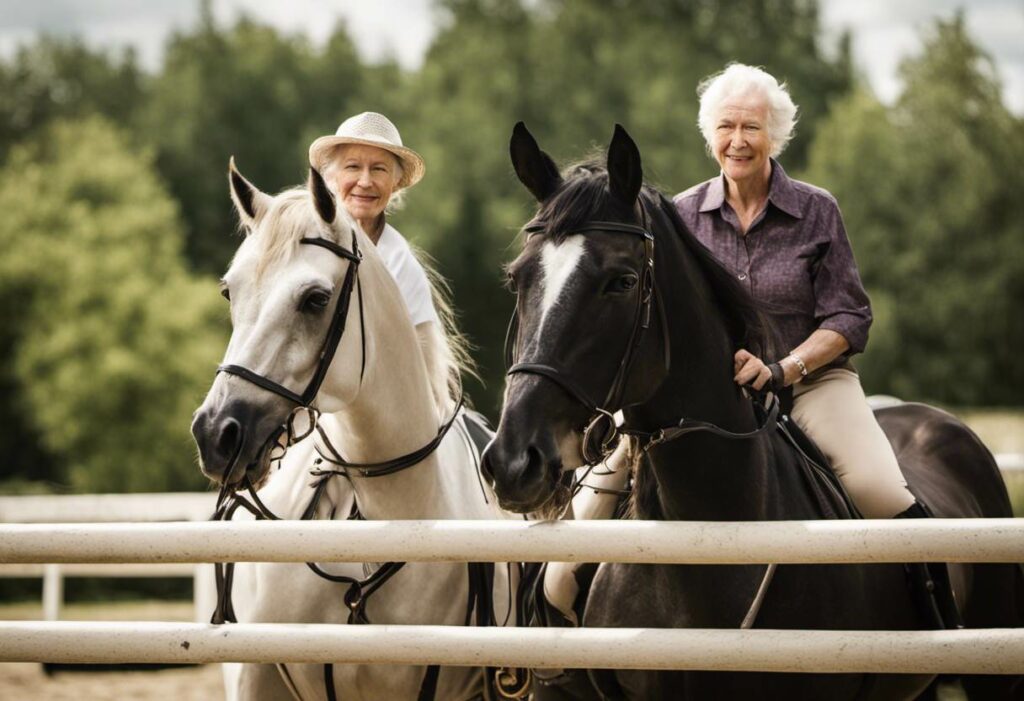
625, 172
534, 168
249, 201
323, 200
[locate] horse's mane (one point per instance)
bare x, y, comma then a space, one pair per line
277, 238
585, 197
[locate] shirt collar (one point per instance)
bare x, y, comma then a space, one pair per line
781, 193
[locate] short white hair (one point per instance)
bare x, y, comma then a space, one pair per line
329, 173
738, 80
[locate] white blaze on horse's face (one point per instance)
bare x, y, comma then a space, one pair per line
558, 262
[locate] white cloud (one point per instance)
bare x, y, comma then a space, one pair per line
886, 32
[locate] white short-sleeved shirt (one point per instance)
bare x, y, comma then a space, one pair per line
408, 273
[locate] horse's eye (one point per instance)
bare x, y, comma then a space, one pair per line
623, 283
316, 301
510, 283
225, 293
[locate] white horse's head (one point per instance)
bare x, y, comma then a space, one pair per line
291, 286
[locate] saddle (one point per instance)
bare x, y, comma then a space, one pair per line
820, 481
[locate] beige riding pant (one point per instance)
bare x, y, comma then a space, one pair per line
832, 409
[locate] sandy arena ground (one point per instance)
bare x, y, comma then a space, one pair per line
26, 681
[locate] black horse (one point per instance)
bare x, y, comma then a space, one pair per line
650, 324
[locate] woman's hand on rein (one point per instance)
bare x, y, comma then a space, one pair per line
750, 370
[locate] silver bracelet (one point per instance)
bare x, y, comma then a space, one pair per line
799, 363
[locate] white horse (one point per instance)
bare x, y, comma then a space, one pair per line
303, 270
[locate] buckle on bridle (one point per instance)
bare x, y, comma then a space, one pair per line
513, 683
599, 437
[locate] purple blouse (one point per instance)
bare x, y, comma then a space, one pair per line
795, 259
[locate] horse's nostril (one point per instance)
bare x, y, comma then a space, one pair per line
227, 441
534, 463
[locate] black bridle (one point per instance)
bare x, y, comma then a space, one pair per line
601, 432
334, 333
327, 351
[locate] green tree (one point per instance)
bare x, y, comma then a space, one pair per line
245, 91
62, 78
930, 191
114, 342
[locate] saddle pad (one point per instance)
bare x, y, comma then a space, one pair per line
820, 480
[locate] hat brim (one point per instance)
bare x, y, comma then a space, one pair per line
413, 168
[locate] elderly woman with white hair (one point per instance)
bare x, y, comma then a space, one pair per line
368, 167
785, 242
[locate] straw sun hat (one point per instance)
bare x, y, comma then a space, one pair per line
369, 129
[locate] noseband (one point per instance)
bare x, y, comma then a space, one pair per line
334, 333
600, 433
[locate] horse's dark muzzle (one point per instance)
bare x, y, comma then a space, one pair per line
524, 474
227, 439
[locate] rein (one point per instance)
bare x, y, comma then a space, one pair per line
386, 467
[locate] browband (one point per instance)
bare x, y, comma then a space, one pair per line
533, 229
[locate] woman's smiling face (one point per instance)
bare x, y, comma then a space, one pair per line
365, 178
742, 146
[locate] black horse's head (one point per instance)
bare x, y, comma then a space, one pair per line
583, 343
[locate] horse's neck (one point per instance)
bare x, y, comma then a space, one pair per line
701, 476
395, 413
289, 488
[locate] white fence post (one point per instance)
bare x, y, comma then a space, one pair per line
53, 592
204, 592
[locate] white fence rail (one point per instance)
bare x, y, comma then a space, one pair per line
705, 542
45, 536
956, 651
103, 508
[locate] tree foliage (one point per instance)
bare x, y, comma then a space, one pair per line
115, 341
246, 91
62, 78
929, 190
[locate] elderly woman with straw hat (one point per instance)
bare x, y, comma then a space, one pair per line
366, 165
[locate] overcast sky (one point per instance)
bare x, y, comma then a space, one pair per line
884, 31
